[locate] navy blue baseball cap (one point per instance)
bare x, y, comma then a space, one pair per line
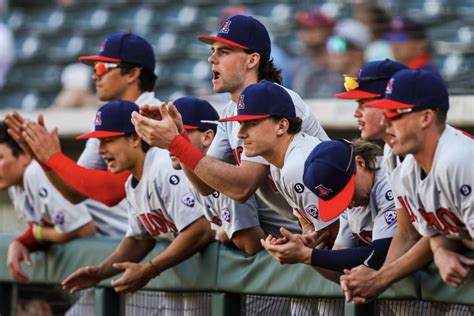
124, 47
418, 88
261, 100
197, 113
372, 80
244, 32
329, 172
113, 119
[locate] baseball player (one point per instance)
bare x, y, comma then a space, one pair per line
240, 56
432, 185
369, 86
123, 69
241, 223
345, 176
161, 206
51, 218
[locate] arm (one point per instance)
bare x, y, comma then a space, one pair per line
49, 234
248, 240
408, 253
453, 267
129, 249
237, 182
188, 242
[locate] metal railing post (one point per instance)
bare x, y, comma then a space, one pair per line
228, 304
108, 302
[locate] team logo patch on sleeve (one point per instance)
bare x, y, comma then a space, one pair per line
225, 213
465, 190
470, 222
390, 217
188, 199
58, 218
43, 192
299, 188
313, 211
174, 179
216, 194
389, 195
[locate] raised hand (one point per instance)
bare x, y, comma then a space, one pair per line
42, 143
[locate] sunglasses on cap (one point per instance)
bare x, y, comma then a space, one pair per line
101, 68
393, 114
352, 83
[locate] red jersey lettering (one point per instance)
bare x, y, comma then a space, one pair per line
156, 223
406, 206
237, 153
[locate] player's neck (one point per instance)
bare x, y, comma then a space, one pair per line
429, 143
137, 169
131, 94
277, 156
250, 78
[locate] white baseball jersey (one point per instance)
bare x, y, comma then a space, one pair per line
226, 145
222, 211
41, 203
289, 180
161, 203
359, 226
90, 157
441, 202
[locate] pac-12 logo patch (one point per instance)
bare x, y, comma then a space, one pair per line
465, 190
313, 211
225, 28
98, 118
174, 179
241, 102
299, 188
226, 214
58, 218
389, 195
470, 222
188, 199
390, 217
322, 191
43, 192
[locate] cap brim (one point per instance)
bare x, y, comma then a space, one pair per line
99, 134
244, 118
388, 104
334, 207
90, 60
357, 94
188, 127
208, 39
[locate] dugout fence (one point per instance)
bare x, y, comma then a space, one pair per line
223, 281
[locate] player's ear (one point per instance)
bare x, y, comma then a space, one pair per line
360, 162
282, 126
253, 60
134, 74
207, 137
427, 117
136, 140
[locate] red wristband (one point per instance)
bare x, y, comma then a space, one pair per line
45, 167
185, 152
28, 239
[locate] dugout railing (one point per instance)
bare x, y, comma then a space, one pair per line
226, 273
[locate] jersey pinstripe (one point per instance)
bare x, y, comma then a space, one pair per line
441, 202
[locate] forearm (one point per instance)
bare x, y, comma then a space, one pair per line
49, 234
416, 257
187, 243
197, 183
234, 181
440, 241
130, 249
328, 274
100, 185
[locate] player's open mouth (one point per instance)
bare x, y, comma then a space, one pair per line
215, 75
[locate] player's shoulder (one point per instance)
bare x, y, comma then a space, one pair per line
34, 173
455, 146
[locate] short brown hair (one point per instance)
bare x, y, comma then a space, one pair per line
368, 151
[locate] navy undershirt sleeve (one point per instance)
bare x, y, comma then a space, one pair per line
372, 256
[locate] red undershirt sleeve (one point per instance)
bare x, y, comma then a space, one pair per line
100, 185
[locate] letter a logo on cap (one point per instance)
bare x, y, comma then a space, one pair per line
102, 45
225, 27
241, 103
389, 88
98, 119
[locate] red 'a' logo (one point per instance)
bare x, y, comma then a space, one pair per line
225, 28
323, 191
98, 119
241, 103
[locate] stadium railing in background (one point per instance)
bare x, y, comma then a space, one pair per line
228, 275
